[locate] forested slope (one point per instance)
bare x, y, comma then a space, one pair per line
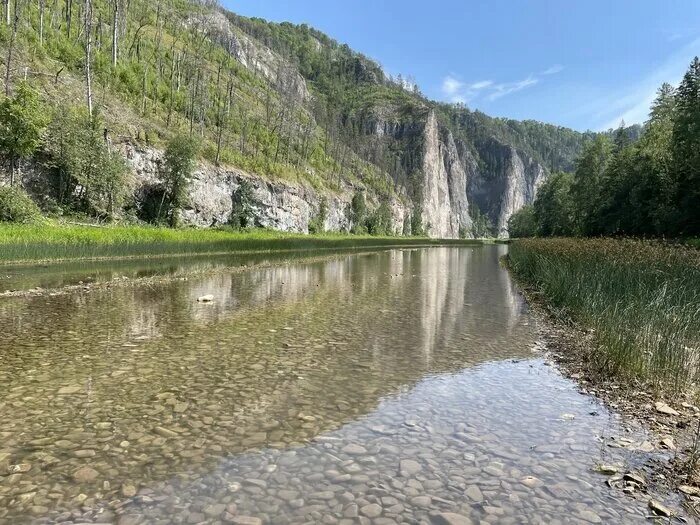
303, 118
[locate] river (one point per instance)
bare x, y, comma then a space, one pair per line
397, 386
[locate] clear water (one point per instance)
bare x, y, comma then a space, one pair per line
382, 388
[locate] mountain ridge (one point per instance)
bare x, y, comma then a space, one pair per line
286, 106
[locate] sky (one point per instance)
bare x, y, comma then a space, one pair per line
584, 64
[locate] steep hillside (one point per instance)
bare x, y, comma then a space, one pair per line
287, 118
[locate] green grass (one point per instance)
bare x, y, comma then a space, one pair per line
26, 243
641, 299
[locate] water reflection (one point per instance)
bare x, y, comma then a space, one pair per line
117, 400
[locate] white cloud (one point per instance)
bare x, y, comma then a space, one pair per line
481, 84
451, 86
556, 68
458, 91
501, 90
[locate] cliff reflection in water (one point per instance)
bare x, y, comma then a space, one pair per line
152, 383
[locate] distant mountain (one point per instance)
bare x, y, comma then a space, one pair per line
286, 116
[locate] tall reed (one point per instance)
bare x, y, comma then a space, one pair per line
640, 298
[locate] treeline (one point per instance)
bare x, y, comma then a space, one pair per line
621, 186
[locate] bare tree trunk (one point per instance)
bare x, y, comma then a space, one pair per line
143, 89
88, 51
115, 31
195, 95
42, 5
69, 16
10, 49
53, 10
223, 119
7, 11
175, 63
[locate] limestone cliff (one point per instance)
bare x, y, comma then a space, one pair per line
454, 178
276, 204
444, 203
507, 182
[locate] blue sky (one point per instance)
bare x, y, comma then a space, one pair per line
585, 64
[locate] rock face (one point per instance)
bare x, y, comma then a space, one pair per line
509, 181
277, 205
453, 181
445, 207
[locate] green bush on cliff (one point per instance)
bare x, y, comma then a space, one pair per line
317, 223
17, 206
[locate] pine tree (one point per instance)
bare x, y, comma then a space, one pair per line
656, 185
587, 186
686, 150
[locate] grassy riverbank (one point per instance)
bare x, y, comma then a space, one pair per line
26, 243
640, 299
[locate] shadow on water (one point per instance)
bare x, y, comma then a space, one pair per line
301, 385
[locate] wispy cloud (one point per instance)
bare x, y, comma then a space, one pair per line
481, 84
456, 90
632, 105
460, 92
553, 70
501, 90
451, 86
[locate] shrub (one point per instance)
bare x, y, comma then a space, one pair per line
523, 222
178, 166
17, 206
379, 222
417, 229
317, 224
243, 206
358, 212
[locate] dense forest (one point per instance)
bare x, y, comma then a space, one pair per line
282, 101
622, 186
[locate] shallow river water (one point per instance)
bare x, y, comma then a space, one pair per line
402, 386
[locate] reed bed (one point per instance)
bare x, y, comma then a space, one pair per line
45, 242
640, 299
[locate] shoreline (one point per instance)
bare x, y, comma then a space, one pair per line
670, 421
155, 255
25, 246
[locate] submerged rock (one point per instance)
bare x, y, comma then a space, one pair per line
67, 390
85, 475
373, 510
450, 518
205, 299
531, 482
354, 449
634, 477
409, 467
474, 493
